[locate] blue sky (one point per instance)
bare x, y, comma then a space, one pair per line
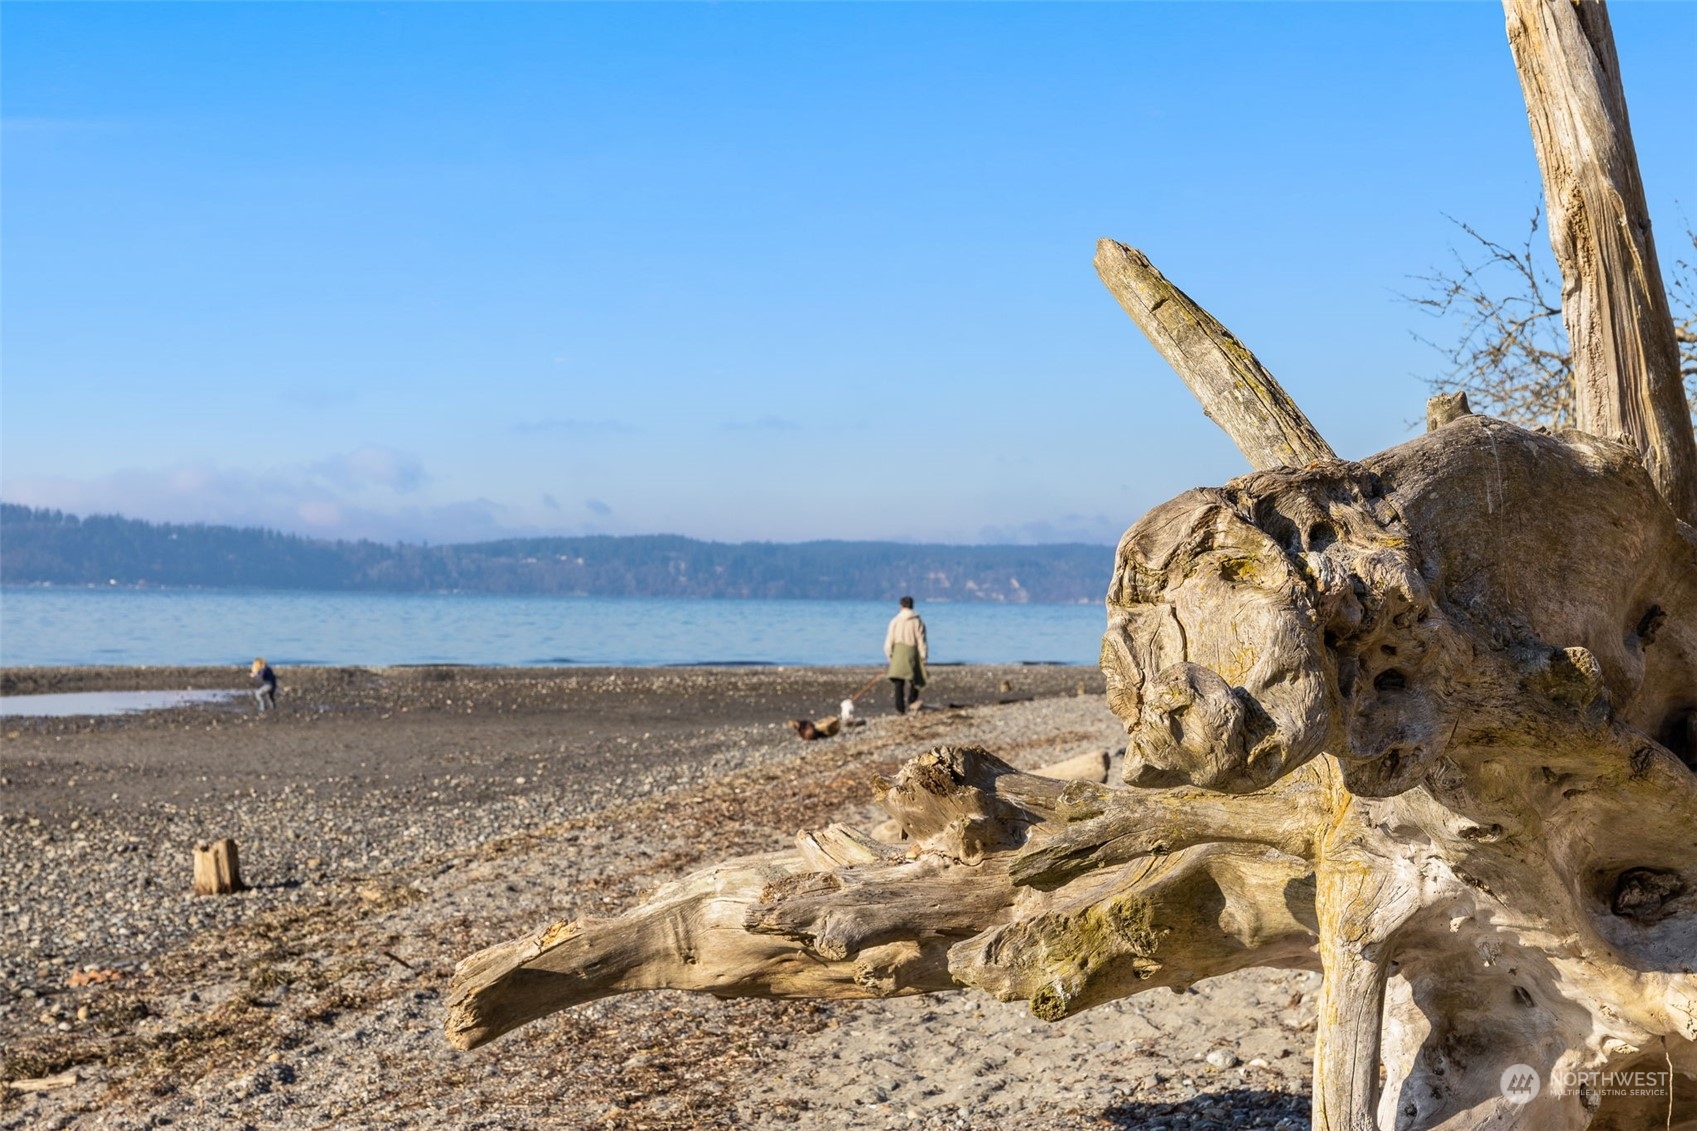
775, 272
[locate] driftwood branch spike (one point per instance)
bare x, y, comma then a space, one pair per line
41, 1083
1625, 354
1235, 389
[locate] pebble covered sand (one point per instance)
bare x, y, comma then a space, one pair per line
393, 821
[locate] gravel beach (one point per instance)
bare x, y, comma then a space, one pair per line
393, 821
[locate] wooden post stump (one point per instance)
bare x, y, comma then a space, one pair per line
216, 868
1446, 407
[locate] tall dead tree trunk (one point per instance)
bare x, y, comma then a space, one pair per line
1426, 722
1625, 354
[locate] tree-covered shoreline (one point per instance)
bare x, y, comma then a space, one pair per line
50, 547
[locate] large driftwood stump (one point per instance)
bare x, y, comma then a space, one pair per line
1426, 722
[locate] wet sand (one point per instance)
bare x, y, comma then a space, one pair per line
389, 731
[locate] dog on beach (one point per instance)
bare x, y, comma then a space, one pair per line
808, 731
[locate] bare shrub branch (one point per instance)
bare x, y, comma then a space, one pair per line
1510, 352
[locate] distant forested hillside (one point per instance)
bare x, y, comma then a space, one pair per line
43, 546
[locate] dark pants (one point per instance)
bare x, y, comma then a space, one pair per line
905, 693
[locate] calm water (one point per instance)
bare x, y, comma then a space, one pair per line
124, 626
105, 702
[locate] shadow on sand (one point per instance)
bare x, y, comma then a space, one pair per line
1214, 1111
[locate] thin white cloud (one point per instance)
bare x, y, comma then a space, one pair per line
360, 494
572, 427
761, 424
372, 466
1099, 530
294, 505
388, 496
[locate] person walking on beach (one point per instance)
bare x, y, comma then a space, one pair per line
904, 647
266, 691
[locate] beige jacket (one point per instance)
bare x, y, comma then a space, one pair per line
905, 628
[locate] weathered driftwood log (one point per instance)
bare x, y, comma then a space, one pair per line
1423, 721
1614, 304
41, 1083
844, 916
1427, 722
